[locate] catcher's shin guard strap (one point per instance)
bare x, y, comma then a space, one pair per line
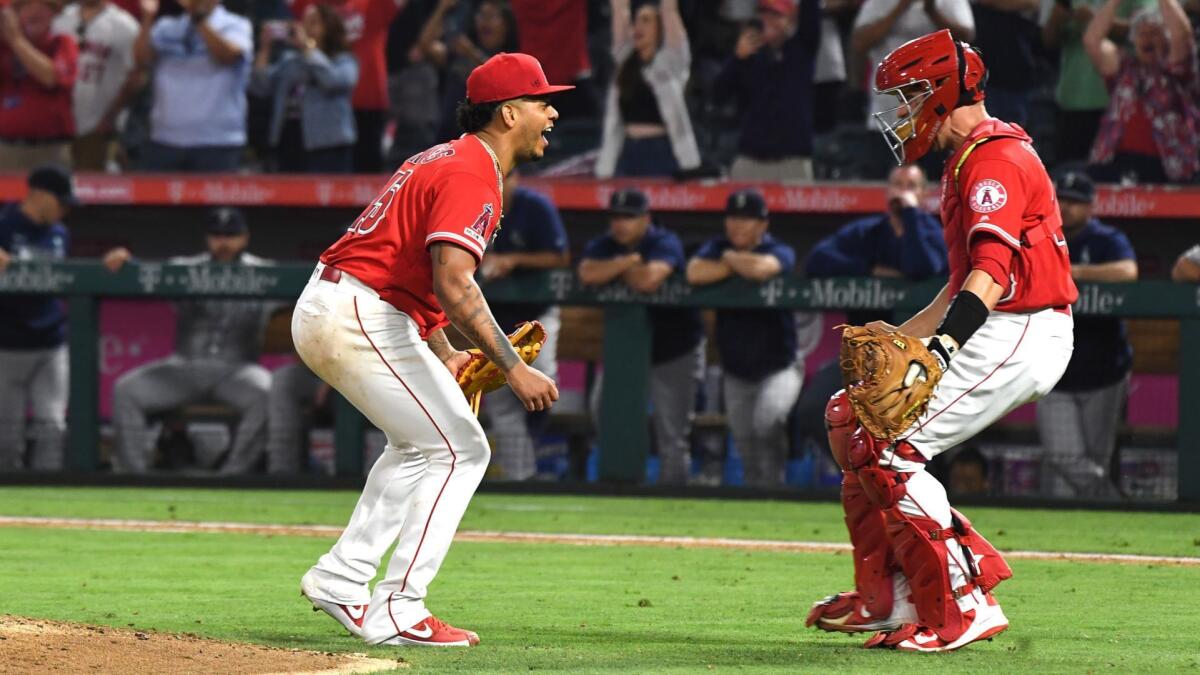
873, 561
990, 568
840, 423
924, 562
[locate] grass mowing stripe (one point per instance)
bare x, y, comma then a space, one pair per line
566, 609
546, 538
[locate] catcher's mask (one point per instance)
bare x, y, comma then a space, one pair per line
929, 77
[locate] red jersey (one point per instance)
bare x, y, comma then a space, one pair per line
996, 184
367, 23
30, 111
451, 193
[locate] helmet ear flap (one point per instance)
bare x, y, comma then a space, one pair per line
972, 74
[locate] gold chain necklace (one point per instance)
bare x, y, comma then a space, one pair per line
499, 174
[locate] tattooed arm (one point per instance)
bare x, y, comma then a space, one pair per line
439, 344
464, 304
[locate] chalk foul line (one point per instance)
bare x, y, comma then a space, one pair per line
488, 536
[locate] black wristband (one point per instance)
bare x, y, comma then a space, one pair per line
966, 314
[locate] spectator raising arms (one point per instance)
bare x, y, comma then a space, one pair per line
1151, 130
37, 71
107, 80
493, 30
367, 23
771, 75
647, 130
201, 62
312, 123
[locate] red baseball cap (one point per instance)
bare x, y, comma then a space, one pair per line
509, 75
784, 7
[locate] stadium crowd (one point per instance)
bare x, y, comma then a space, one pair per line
769, 89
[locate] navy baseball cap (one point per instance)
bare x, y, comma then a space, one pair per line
226, 221
748, 203
628, 202
1075, 186
57, 181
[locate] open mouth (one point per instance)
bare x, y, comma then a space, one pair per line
546, 132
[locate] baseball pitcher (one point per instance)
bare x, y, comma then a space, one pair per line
370, 323
998, 335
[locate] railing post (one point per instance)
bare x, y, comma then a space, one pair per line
83, 414
624, 434
348, 428
1189, 410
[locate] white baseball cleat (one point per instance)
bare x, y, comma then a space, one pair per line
431, 632
987, 622
350, 616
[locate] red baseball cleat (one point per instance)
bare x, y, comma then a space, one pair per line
845, 613
432, 632
986, 622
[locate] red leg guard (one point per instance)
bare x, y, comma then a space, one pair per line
920, 549
883, 486
873, 561
991, 568
840, 423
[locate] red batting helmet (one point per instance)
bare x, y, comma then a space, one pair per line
930, 76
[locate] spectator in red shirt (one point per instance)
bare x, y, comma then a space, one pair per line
37, 73
367, 23
555, 33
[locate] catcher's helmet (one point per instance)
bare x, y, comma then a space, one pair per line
930, 76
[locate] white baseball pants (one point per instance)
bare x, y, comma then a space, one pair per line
419, 488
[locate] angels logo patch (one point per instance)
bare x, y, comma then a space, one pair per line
478, 229
988, 195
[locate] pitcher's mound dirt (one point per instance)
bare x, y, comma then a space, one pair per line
34, 645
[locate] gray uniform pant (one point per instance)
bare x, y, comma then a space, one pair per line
1078, 431
758, 412
513, 447
33, 380
293, 390
174, 381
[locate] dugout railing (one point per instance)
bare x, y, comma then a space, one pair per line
623, 447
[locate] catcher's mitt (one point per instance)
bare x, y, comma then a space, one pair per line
889, 379
480, 375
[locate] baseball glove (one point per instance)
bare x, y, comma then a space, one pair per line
480, 375
889, 378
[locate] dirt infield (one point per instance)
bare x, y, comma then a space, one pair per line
57, 647
551, 538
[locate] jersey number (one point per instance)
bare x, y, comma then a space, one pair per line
370, 217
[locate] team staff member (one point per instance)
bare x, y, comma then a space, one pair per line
642, 255
370, 323
33, 350
1002, 329
1077, 422
758, 347
533, 238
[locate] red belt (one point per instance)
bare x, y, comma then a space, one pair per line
331, 274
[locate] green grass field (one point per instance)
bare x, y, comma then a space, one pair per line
560, 608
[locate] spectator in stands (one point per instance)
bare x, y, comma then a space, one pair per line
883, 25
555, 32
413, 82
647, 128
829, 71
533, 238
33, 351
1078, 420
367, 23
1080, 93
201, 62
771, 76
312, 123
1187, 266
758, 347
1006, 31
493, 29
641, 255
37, 71
905, 242
1149, 134
107, 79
217, 343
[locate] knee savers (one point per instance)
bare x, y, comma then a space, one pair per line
884, 486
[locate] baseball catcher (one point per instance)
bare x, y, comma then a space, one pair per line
998, 335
